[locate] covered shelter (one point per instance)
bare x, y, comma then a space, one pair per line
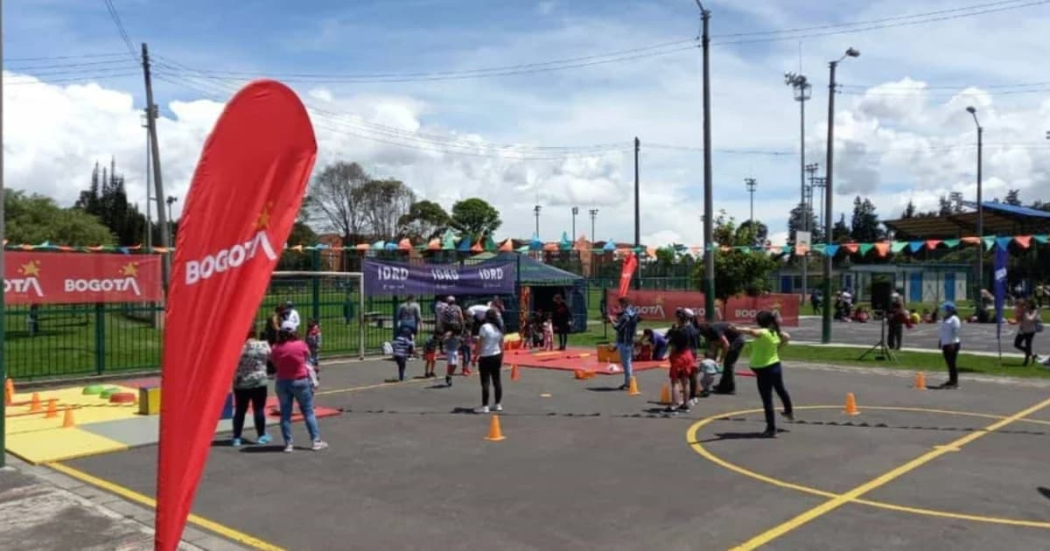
537, 285
999, 219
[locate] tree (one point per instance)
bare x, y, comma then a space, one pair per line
301, 234
909, 211
383, 203
865, 226
107, 200
753, 233
794, 224
425, 220
475, 217
335, 197
1013, 197
34, 219
737, 271
840, 233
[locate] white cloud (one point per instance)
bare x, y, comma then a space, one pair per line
546, 7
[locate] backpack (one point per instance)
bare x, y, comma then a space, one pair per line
452, 319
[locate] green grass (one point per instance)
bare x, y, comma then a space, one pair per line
929, 362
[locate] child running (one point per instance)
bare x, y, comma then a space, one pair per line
765, 362
430, 349
403, 346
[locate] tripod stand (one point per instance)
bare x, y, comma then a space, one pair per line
884, 352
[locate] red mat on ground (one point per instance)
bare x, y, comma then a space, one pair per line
144, 382
273, 411
571, 360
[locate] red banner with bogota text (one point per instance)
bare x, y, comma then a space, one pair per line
661, 306
71, 278
244, 198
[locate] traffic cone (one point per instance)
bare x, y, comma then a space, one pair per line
495, 433
920, 381
514, 374
68, 422
34, 404
851, 405
633, 390
9, 391
52, 409
665, 395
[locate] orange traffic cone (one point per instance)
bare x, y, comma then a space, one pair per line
665, 395
34, 404
920, 381
68, 422
52, 409
9, 391
514, 374
495, 433
633, 390
851, 405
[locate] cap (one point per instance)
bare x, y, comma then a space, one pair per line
689, 313
287, 326
450, 299
287, 303
948, 306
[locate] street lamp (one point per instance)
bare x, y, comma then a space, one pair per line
752, 185
575, 211
594, 214
980, 207
800, 85
829, 194
536, 210
171, 200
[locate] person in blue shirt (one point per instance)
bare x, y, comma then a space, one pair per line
658, 343
626, 325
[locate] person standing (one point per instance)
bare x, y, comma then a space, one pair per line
682, 338
249, 388
950, 343
409, 315
291, 315
1027, 318
765, 362
490, 360
290, 355
626, 325
896, 319
452, 326
497, 304
724, 343
561, 318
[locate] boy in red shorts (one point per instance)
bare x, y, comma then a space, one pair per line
682, 339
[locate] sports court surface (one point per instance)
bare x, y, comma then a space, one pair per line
583, 467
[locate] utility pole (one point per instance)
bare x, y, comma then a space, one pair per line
575, 211
801, 87
829, 196
752, 185
3, 274
158, 182
149, 181
709, 248
536, 210
594, 214
980, 209
637, 209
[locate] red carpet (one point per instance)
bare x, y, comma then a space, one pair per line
571, 360
273, 411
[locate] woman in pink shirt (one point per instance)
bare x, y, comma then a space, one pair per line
290, 355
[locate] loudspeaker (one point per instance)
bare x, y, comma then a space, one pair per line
881, 291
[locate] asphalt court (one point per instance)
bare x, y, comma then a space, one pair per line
585, 467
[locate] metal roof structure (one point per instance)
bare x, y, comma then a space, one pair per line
999, 219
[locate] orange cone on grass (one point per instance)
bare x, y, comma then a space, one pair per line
920, 381
665, 395
68, 422
495, 432
52, 409
633, 389
851, 405
34, 404
514, 374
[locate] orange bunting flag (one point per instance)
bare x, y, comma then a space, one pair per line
882, 249
1024, 241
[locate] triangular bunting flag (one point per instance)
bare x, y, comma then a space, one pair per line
898, 246
819, 247
434, 245
1003, 242
865, 248
507, 246
989, 242
951, 243
831, 250
931, 244
477, 248
851, 247
1040, 239
405, 244
914, 246
1024, 241
971, 240
882, 248
786, 249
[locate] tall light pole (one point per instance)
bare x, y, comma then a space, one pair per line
709, 248
575, 211
536, 210
800, 84
818, 183
637, 203
594, 214
829, 195
752, 185
980, 209
171, 221
149, 182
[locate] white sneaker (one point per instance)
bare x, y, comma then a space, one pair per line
319, 445
482, 409
499, 407
288, 448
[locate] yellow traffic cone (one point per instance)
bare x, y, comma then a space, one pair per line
920, 381
495, 432
633, 390
665, 395
851, 405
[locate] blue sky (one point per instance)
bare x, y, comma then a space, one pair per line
656, 98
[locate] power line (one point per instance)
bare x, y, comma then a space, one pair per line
120, 28
9, 82
924, 86
71, 65
49, 58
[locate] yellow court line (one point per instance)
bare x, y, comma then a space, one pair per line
369, 387
852, 495
131, 495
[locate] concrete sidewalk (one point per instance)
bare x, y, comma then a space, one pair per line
42, 509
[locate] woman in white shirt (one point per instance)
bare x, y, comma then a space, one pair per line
948, 340
490, 360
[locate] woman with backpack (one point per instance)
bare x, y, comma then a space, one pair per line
451, 321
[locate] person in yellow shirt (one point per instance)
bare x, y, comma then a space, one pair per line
765, 362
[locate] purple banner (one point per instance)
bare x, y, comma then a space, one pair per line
394, 278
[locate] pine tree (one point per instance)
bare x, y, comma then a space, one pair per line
909, 211
107, 200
